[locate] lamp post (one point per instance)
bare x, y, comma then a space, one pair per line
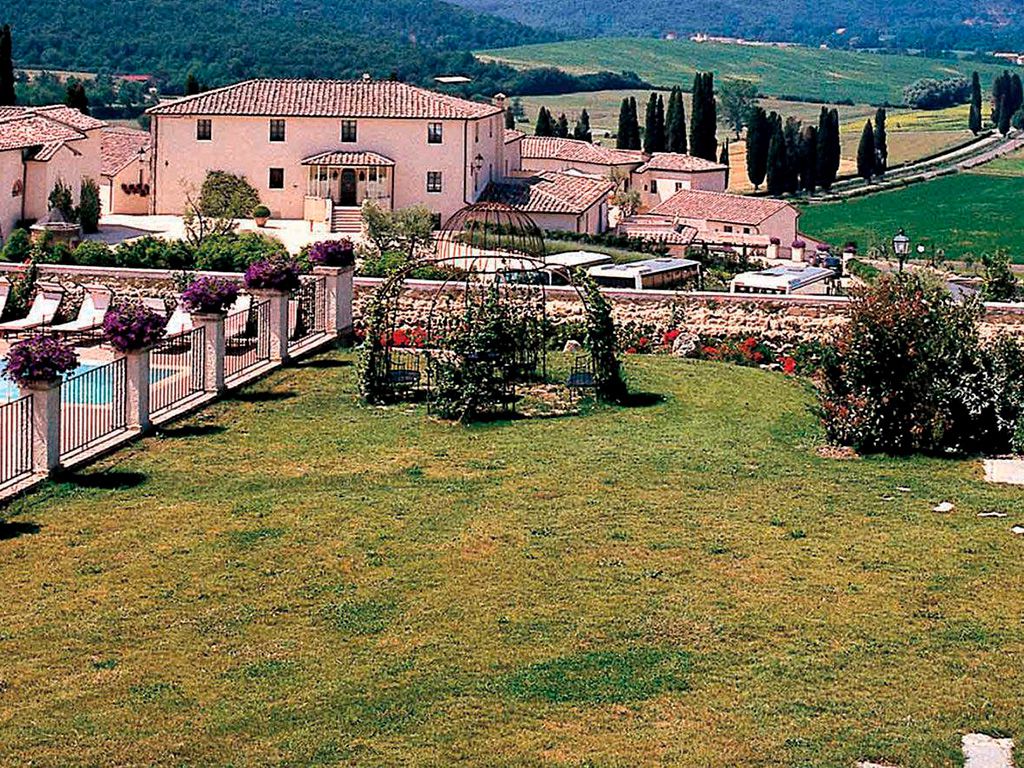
901, 247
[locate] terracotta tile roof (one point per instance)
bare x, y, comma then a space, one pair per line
69, 116
48, 151
327, 98
659, 228
549, 192
671, 161
119, 147
511, 134
573, 150
719, 206
27, 129
348, 159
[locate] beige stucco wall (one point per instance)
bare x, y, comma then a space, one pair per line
116, 200
71, 166
670, 182
513, 157
241, 145
593, 221
10, 205
782, 225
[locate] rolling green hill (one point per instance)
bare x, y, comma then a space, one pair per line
939, 24
796, 72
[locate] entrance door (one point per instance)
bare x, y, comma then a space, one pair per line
347, 197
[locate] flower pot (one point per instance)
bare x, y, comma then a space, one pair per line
261, 221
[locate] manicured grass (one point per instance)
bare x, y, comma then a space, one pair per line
966, 213
807, 73
293, 579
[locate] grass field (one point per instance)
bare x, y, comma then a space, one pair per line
293, 579
972, 213
912, 134
807, 73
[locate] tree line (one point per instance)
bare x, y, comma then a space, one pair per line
791, 157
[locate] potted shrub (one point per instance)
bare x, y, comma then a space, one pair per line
278, 273
209, 296
132, 327
260, 215
332, 253
39, 361
798, 247
773, 248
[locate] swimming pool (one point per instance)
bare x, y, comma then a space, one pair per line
98, 394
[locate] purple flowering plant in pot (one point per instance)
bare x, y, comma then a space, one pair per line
132, 326
332, 253
209, 295
277, 273
39, 358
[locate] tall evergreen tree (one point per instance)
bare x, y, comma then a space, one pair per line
866, 158
634, 124
809, 159
999, 88
675, 123
651, 125
759, 136
622, 134
562, 127
829, 148
544, 126
794, 152
881, 143
76, 98
723, 159
1016, 91
582, 130
7, 96
974, 121
704, 117
777, 160
191, 85
1005, 115
510, 119
659, 125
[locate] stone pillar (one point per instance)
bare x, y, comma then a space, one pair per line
797, 250
138, 389
45, 424
338, 282
212, 324
278, 312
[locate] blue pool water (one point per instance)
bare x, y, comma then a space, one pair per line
97, 393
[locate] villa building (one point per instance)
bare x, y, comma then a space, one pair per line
549, 153
318, 149
721, 217
125, 186
667, 173
569, 202
40, 146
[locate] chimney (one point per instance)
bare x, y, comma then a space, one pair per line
499, 100
366, 77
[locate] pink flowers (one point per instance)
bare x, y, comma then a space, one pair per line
40, 358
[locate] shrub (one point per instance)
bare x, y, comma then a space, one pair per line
234, 253
911, 375
23, 288
601, 338
90, 253
210, 295
60, 199
227, 195
278, 273
154, 253
332, 253
261, 212
18, 247
89, 207
39, 358
131, 326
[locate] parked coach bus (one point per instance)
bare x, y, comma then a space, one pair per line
649, 274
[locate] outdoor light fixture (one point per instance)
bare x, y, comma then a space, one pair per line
478, 163
901, 247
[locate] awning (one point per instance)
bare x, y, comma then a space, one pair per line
348, 159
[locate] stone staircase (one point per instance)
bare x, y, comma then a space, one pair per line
346, 219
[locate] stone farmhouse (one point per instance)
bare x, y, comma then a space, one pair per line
40, 146
318, 149
666, 173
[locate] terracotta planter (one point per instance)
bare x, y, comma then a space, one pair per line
261, 221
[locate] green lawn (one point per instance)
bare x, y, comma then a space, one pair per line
967, 213
293, 579
807, 73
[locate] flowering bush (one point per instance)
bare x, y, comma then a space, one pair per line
798, 243
129, 327
332, 253
277, 273
775, 241
39, 358
406, 337
209, 295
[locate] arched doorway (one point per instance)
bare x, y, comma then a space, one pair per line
347, 193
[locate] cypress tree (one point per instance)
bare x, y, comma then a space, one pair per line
622, 135
974, 121
809, 159
510, 119
76, 98
7, 96
777, 160
1016, 90
723, 159
582, 129
659, 125
829, 149
1005, 115
759, 136
562, 127
881, 143
675, 123
866, 158
792, 134
634, 124
651, 125
999, 88
191, 85
544, 126
703, 117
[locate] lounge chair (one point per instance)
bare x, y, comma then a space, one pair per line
90, 316
41, 313
5, 290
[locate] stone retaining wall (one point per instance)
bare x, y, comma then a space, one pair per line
783, 318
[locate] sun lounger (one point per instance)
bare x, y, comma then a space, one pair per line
90, 316
41, 313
